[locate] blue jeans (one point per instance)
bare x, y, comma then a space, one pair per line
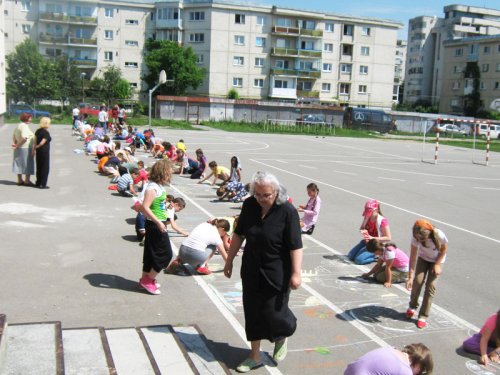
360, 255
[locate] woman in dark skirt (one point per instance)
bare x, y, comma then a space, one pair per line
271, 266
41, 152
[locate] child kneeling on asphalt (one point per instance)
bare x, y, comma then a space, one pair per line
126, 181
396, 263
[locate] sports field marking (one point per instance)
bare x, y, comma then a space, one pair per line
348, 173
385, 203
392, 179
307, 166
485, 188
437, 184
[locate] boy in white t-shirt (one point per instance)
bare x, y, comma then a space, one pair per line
392, 264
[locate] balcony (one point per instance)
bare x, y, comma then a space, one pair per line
311, 33
67, 40
296, 73
84, 63
282, 93
305, 53
285, 30
307, 94
472, 57
64, 18
169, 24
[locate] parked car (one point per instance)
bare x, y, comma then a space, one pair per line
89, 109
482, 130
450, 129
368, 119
311, 120
18, 109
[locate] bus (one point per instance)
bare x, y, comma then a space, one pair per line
367, 119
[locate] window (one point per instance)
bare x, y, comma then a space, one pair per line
326, 87
457, 69
363, 69
129, 64
26, 29
348, 30
329, 27
454, 102
239, 18
261, 20
237, 82
497, 85
196, 38
485, 68
345, 88
168, 13
259, 62
362, 89
284, 22
108, 55
238, 60
25, 6
54, 8
347, 49
365, 51
304, 85
108, 12
345, 68
498, 67
239, 40
133, 85
258, 82
459, 52
53, 52
6, 12
108, 34
83, 11
280, 84
260, 41
328, 47
131, 22
200, 59
327, 67
133, 43
455, 85
482, 86
196, 16
366, 31
486, 50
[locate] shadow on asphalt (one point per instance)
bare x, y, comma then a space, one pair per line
130, 220
103, 280
462, 353
7, 182
130, 237
373, 313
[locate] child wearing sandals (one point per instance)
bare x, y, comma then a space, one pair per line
392, 264
486, 343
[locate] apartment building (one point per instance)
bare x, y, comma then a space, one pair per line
3, 97
399, 70
261, 51
425, 62
483, 51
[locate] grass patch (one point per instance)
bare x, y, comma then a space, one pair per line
468, 143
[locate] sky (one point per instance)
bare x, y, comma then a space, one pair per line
401, 10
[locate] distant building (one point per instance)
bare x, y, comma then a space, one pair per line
399, 71
262, 51
483, 51
425, 62
3, 98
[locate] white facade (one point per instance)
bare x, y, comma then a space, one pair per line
426, 38
3, 98
260, 51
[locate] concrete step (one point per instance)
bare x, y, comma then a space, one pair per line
43, 349
86, 352
34, 349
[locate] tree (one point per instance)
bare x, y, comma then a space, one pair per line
29, 75
179, 64
111, 86
472, 101
68, 78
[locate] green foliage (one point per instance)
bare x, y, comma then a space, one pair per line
122, 90
110, 86
179, 64
421, 106
233, 94
67, 76
472, 101
29, 75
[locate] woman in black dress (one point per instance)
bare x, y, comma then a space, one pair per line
41, 150
271, 266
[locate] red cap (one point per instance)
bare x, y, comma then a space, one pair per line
370, 206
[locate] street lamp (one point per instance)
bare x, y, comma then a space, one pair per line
162, 80
82, 77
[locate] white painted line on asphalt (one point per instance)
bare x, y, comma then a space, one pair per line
392, 179
485, 188
385, 203
349, 173
436, 184
219, 304
307, 166
282, 161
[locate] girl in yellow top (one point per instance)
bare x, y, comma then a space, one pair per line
218, 172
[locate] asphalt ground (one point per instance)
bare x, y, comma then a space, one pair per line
69, 253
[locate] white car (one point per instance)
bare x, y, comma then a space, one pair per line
450, 129
482, 130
